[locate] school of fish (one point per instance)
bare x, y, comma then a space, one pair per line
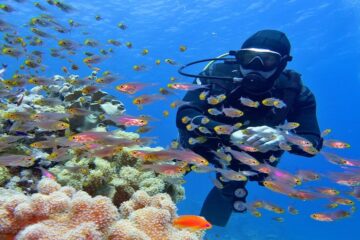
29, 51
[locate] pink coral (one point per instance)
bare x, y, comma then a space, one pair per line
125, 230
61, 213
56, 213
153, 216
47, 186
152, 221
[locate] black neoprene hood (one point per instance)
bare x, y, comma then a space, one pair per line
269, 39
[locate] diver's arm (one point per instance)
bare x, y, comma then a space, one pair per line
304, 113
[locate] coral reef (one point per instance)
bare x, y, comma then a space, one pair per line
114, 174
37, 125
4, 175
60, 213
117, 177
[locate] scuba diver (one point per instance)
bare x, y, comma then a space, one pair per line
251, 74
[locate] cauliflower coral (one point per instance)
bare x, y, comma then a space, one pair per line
62, 213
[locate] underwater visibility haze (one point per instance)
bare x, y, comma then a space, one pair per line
89, 94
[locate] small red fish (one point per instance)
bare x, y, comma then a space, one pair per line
191, 222
336, 144
87, 137
278, 187
329, 217
184, 86
129, 120
146, 99
304, 195
131, 87
166, 169
333, 158
297, 140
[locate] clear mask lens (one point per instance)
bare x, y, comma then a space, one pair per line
265, 60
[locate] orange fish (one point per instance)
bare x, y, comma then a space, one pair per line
310, 149
297, 140
52, 125
325, 132
107, 79
327, 191
184, 86
177, 103
231, 174
343, 201
322, 217
272, 207
333, 158
89, 89
146, 99
128, 120
166, 169
152, 156
139, 68
191, 222
283, 176
224, 129
307, 175
95, 59
247, 148
335, 144
78, 111
278, 187
107, 151
243, 157
304, 195
131, 87
86, 137
19, 116
329, 217
164, 91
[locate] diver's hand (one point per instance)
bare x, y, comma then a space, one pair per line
264, 138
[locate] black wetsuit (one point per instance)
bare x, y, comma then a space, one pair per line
300, 108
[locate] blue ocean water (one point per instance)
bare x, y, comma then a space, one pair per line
325, 37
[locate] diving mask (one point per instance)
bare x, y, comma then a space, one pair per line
259, 59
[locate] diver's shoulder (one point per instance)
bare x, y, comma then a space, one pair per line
291, 73
290, 78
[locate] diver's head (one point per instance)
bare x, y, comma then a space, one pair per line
262, 58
